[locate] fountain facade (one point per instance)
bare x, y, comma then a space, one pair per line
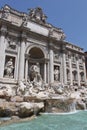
39, 70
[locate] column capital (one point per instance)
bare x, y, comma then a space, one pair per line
63, 48
3, 30
23, 36
27, 56
69, 54
51, 45
83, 58
77, 57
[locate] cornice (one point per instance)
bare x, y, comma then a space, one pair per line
74, 51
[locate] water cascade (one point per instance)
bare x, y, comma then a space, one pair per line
72, 107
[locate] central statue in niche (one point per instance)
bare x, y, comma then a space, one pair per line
35, 75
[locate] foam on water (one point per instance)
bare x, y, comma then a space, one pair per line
65, 113
5, 118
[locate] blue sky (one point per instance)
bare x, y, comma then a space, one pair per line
70, 15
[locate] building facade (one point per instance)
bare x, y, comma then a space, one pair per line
86, 63
27, 39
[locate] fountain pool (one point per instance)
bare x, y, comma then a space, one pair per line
76, 121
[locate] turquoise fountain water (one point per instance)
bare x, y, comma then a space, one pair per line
76, 121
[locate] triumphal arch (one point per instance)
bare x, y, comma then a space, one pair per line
27, 39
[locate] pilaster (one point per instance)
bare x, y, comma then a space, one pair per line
26, 66
61, 70
78, 71
64, 69
63, 56
26, 70
84, 70
51, 67
22, 56
45, 72
70, 65
2, 49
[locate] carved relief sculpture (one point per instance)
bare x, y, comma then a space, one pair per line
56, 56
12, 43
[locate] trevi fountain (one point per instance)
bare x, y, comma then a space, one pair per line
42, 77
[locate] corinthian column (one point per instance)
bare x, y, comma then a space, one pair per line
45, 72
22, 57
64, 69
2, 50
26, 66
78, 71
51, 66
70, 65
84, 70
64, 63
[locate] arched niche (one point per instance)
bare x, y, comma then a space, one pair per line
36, 53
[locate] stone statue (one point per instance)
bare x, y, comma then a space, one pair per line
25, 20
32, 13
35, 77
51, 32
6, 91
44, 17
35, 73
5, 12
21, 88
9, 68
37, 15
56, 73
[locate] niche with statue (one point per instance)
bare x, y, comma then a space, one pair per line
56, 73
9, 67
